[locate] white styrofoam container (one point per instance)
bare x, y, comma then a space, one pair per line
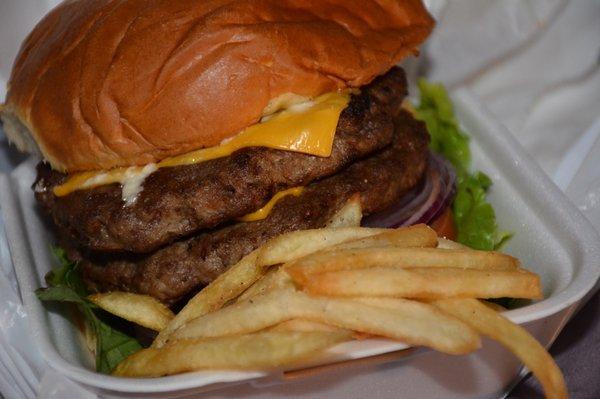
551, 238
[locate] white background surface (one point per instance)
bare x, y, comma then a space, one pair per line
534, 64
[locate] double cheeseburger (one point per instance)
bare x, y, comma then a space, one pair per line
178, 136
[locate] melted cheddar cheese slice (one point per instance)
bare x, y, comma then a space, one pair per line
266, 210
307, 127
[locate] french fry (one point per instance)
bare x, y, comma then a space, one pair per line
143, 310
225, 288
516, 339
419, 235
349, 215
275, 278
255, 314
254, 351
445, 243
424, 283
410, 321
363, 258
382, 302
494, 306
294, 245
305, 325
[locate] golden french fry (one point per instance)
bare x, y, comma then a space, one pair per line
410, 321
494, 306
225, 288
275, 278
363, 258
445, 243
516, 339
255, 351
294, 245
349, 215
143, 310
382, 302
305, 325
419, 235
424, 283
255, 314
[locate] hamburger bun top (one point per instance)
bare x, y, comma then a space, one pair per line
100, 84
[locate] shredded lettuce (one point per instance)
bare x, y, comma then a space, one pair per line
474, 216
65, 285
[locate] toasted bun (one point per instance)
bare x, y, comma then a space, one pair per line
100, 84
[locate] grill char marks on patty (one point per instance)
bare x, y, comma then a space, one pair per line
180, 201
182, 268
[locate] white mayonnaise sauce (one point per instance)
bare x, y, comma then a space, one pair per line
132, 183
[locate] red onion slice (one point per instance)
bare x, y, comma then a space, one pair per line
425, 202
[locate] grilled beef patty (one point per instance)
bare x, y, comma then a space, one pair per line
179, 201
182, 268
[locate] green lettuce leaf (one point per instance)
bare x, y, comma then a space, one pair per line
66, 275
474, 216
65, 285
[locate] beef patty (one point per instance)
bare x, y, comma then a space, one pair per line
179, 201
182, 268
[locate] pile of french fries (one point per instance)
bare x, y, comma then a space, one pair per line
306, 291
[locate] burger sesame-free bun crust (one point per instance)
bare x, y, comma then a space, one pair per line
101, 84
